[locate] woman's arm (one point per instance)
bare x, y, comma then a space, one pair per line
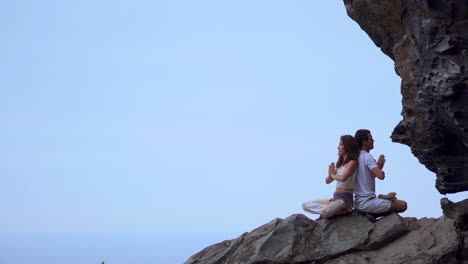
350, 169
331, 170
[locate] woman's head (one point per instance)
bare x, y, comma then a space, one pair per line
347, 150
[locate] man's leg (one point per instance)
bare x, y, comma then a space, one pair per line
373, 205
398, 206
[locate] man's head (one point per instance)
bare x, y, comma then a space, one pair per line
364, 139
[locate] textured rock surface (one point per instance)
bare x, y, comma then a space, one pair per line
349, 239
428, 40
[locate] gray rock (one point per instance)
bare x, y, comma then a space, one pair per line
455, 211
347, 239
296, 239
429, 244
387, 229
344, 234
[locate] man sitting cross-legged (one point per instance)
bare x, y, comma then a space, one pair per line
365, 199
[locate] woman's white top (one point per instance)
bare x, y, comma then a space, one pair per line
349, 183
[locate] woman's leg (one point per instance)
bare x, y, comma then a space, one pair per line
315, 206
335, 208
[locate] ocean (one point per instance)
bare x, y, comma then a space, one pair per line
95, 249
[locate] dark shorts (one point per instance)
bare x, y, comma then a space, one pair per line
347, 198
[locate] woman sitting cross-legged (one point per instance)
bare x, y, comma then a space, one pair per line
345, 174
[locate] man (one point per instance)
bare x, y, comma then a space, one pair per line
365, 199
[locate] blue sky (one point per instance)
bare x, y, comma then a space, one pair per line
187, 117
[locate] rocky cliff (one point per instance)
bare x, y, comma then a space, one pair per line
428, 40
349, 239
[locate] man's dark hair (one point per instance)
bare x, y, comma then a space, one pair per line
360, 136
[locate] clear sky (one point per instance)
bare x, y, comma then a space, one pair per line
187, 117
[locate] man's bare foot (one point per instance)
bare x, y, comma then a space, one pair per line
390, 196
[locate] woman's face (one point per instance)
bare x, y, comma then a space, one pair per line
341, 149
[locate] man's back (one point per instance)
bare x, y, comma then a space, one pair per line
365, 181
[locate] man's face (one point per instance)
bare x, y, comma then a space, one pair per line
369, 142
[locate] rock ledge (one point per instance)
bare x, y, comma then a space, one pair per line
355, 238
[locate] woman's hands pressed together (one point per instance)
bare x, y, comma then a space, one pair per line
331, 169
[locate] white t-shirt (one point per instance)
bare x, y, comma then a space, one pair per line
365, 180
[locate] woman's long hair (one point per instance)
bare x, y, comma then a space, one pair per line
350, 147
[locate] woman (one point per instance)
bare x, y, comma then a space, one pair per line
344, 173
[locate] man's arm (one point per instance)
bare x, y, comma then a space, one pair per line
377, 172
381, 161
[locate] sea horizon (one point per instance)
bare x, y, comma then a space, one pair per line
110, 248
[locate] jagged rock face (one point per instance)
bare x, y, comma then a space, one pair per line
349, 239
428, 40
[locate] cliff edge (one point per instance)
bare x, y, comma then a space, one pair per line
355, 238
